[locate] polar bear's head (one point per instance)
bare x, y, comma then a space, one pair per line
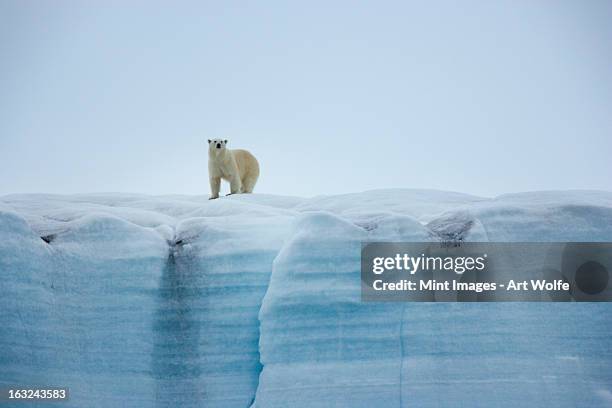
217, 145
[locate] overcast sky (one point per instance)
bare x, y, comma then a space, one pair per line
482, 97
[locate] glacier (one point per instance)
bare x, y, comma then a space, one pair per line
254, 300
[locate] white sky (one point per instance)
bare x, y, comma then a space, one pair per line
482, 97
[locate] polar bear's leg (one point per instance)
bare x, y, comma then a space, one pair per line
235, 184
248, 184
215, 186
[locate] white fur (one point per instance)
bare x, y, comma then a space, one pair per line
239, 167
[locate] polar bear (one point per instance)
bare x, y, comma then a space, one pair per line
239, 167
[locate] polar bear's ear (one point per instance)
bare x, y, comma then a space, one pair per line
209, 141
225, 141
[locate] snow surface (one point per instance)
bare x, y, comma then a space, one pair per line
134, 300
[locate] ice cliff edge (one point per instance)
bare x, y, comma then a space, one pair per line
134, 300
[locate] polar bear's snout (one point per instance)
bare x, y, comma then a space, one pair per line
217, 143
